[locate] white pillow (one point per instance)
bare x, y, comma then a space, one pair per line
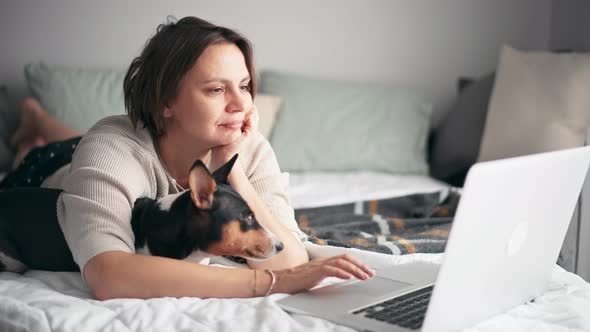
540, 103
268, 107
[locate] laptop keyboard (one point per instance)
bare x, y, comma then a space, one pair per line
406, 311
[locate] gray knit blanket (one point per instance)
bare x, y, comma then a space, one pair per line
418, 223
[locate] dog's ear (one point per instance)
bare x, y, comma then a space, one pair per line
202, 185
221, 174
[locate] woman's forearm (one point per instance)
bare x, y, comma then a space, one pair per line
117, 274
294, 252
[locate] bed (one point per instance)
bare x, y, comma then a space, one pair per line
61, 301
354, 197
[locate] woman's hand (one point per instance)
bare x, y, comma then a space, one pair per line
223, 153
308, 275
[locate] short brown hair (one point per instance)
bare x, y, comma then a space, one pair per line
153, 78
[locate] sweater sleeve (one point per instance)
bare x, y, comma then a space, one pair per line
107, 175
270, 183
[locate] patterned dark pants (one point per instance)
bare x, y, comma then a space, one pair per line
40, 163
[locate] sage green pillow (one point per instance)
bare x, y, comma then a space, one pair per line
77, 96
329, 125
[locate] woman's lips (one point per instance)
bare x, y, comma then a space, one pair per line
232, 125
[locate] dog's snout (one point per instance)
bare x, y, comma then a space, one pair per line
279, 246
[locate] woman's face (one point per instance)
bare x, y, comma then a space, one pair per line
213, 98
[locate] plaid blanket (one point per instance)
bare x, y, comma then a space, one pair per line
401, 225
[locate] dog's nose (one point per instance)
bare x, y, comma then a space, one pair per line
279, 246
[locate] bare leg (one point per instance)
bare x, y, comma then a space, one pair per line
36, 122
37, 128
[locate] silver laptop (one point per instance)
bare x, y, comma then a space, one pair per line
505, 240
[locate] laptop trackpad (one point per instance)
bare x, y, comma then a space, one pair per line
344, 296
373, 287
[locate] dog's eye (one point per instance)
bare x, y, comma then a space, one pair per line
249, 219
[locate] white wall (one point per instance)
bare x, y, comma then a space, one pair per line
424, 44
570, 25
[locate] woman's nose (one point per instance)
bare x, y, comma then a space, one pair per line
239, 101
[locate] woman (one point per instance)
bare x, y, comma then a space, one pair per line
188, 96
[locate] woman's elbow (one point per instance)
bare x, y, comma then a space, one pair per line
102, 293
100, 286
100, 277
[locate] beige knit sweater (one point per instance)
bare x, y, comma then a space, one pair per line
114, 165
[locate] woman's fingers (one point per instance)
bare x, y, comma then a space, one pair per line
308, 275
349, 267
364, 267
250, 120
337, 272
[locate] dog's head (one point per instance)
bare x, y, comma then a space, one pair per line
219, 220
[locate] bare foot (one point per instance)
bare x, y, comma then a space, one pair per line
24, 148
28, 130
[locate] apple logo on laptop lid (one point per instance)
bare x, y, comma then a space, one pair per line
517, 238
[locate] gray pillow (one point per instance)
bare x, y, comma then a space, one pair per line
6, 155
455, 145
329, 125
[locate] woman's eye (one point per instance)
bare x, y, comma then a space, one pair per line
246, 88
217, 90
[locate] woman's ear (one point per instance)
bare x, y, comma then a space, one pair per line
167, 112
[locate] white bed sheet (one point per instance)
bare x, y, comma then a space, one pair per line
308, 190
49, 301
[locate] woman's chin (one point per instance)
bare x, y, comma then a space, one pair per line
232, 136
225, 137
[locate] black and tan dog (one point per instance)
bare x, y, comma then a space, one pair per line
209, 219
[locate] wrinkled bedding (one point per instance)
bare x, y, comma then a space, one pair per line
51, 301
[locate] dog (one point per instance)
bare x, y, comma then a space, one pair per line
208, 220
